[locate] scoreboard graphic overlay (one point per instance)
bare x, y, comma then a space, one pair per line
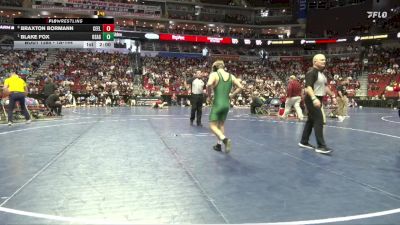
64, 33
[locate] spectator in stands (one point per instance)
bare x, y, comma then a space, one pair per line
293, 98
353, 103
159, 104
69, 98
108, 101
196, 85
315, 89
342, 99
53, 102
92, 99
221, 82
174, 99
114, 97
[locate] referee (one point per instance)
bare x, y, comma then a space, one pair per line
315, 89
17, 89
196, 100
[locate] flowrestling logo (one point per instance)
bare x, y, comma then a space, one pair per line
377, 14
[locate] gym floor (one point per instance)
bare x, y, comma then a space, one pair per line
145, 166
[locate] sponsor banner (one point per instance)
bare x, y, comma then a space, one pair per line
146, 101
194, 38
273, 58
7, 27
180, 55
248, 58
291, 58
225, 57
90, 11
112, 8
149, 53
302, 13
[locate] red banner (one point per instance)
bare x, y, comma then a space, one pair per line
325, 41
193, 38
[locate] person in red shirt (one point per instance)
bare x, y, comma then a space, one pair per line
293, 98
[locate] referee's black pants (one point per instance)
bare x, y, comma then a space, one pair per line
196, 101
14, 98
315, 120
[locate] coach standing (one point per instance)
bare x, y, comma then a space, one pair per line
293, 98
18, 90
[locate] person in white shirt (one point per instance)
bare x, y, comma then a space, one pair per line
196, 100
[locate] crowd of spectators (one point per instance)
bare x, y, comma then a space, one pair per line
92, 74
382, 60
21, 61
266, 78
13, 3
383, 70
200, 29
167, 76
100, 77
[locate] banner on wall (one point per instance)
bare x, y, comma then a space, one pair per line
291, 58
225, 57
302, 12
146, 101
249, 58
180, 55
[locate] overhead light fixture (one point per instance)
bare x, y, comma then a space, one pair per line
374, 37
264, 13
152, 36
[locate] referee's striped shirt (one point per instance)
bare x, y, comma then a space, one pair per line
197, 85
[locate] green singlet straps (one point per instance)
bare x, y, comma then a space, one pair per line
222, 90
221, 103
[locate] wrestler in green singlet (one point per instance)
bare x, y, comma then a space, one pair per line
221, 103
